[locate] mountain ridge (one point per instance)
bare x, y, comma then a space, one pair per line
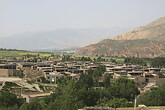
146, 41
57, 39
148, 31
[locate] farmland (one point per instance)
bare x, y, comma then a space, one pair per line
21, 53
18, 53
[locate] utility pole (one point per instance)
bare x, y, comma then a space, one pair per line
135, 103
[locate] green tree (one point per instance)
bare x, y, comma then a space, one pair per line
154, 98
99, 71
68, 100
107, 80
90, 71
8, 99
97, 74
9, 108
33, 105
52, 55
118, 103
66, 58
98, 59
124, 88
160, 74
94, 59
85, 81
158, 62
89, 97
134, 60
14, 58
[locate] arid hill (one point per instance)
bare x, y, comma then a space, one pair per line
146, 41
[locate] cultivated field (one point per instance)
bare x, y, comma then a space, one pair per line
7, 53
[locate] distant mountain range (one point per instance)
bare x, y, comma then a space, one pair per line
146, 41
58, 39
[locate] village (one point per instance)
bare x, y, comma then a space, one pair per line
37, 79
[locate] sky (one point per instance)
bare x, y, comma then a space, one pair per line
17, 16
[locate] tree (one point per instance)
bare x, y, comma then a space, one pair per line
158, 62
85, 81
94, 59
160, 74
7, 99
99, 71
154, 98
14, 58
9, 108
134, 60
68, 100
124, 88
52, 55
118, 103
98, 59
24, 106
89, 97
90, 71
35, 104
107, 80
66, 58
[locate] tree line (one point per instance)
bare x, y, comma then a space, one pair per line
67, 57
158, 62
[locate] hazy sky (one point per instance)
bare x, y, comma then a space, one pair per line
18, 16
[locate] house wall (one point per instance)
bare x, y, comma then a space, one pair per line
14, 72
9, 72
4, 73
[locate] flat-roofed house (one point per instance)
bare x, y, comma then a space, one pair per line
163, 70
2, 61
53, 76
32, 95
60, 69
26, 65
118, 74
8, 66
136, 73
118, 68
9, 72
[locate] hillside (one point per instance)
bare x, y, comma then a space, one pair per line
150, 31
146, 41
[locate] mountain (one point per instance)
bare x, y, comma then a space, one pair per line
145, 41
150, 31
58, 39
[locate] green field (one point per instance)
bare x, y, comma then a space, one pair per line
6, 53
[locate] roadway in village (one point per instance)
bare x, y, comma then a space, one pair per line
9, 79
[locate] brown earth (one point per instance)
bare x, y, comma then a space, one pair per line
146, 41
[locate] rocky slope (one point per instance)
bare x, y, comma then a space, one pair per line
146, 41
150, 31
